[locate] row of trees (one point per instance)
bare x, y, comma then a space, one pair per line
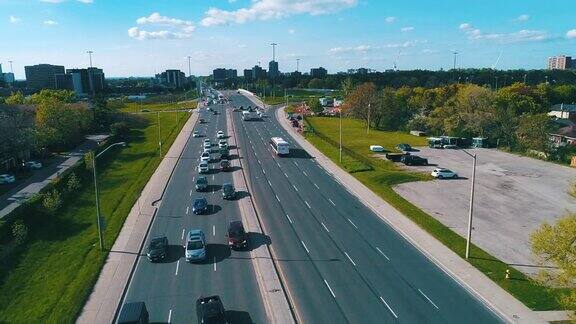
515, 115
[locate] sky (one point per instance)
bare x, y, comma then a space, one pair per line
144, 37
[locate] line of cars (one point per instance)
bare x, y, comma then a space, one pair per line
409, 159
8, 178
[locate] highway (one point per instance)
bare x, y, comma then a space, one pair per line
339, 261
170, 288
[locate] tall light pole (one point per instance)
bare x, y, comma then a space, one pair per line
273, 74
368, 129
273, 51
159, 138
297, 65
99, 220
455, 53
189, 67
471, 208
11, 69
340, 150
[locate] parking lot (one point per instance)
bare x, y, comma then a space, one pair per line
513, 196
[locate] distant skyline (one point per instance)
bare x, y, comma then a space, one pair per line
141, 38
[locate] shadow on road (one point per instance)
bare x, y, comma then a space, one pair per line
241, 194
298, 153
258, 239
174, 253
238, 317
212, 188
212, 209
216, 253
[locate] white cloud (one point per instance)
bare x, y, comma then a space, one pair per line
521, 36
274, 9
138, 34
522, 18
53, 1
14, 20
361, 49
407, 29
50, 23
571, 34
390, 19
465, 26
291, 31
157, 19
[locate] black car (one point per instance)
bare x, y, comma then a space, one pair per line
228, 191
210, 310
414, 160
157, 248
201, 183
404, 147
199, 206
395, 157
224, 153
134, 313
202, 121
237, 236
225, 165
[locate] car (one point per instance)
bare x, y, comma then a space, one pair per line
450, 147
203, 167
228, 191
7, 178
195, 246
413, 160
157, 248
395, 157
201, 183
207, 140
220, 134
33, 165
144, 110
263, 115
222, 143
210, 310
135, 312
205, 156
404, 147
196, 134
442, 173
237, 236
225, 165
241, 107
207, 145
236, 109
214, 112
199, 205
202, 120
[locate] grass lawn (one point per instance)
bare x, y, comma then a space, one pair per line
137, 107
48, 279
385, 175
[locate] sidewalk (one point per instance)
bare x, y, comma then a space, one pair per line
107, 294
496, 298
273, 294
41, 178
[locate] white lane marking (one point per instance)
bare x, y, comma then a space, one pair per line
326, 228
305, 247
277, 198
285, 174
329, 288
305, 173
351, 222
213, 230
213, 177
387, 258
295, 187
349, 258
307, 204
183, 231
257, 160
214, 263
430, 300
170, 316
315, 185
330, 200
263, 171
390, 309
190, 193
289, 219
269, 182
177, 267
278, 164
187, 208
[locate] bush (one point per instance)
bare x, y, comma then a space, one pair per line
52, 201
119, 129
73, 183
19, 231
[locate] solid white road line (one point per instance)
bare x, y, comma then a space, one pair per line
213, 177
213, 230
277, 198
305, 247
214, 263
307, 204
269, 182
289, 219
377, 248
177, 267
315, 185
170, 316
187, 208
190, 193
430, 300
183, 231
329, 288
330, 200
349, 258
390, 309
263, 171
326, 228
351, 222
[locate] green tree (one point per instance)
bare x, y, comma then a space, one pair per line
556, 244
119, 129
59, 125
19, 231
73, 183
65, 96
52, 201
357, 102
532, 132
16, 98
315, 105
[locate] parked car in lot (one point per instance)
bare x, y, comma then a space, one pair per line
203, 167
404, 147
220, 134
199, 205
414, 160
237, 236
202, 120
442, 173
228, 191
205, 156
196, 134
195, 246
224, 152
201, 183
450, 147
210, 310
207, 145
225, 165
7, 178
33, 165
157, 248
222, 143
395, 157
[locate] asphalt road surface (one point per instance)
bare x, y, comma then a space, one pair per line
170, 288
340, 262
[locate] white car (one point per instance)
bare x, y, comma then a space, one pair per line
205, 157
207, 145
220, 134
207, 140
7, 178
203, 167
222, 144
33, 165
196, 134
207, 150
444, 174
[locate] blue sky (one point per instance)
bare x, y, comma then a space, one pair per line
141, 37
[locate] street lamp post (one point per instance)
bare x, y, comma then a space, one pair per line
340, 126
97, 193
159, 137
471, 208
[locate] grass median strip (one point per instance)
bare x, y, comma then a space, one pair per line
384, 175
49, 277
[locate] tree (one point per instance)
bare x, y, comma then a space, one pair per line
16, 98
19, 231
59, 125
119, 129
315, 106
65, 96
347, 86
356, 103
16, 130
52, 201
73, 183
532, 132
556, 244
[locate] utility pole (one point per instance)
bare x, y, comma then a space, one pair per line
471, 208
273, 51
297, 64
340, 150
189, 67
455, 54
91, 84
368, 129
11, 69
159, 139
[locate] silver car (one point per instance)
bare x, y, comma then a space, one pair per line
203, 167
7, 178
195, 246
